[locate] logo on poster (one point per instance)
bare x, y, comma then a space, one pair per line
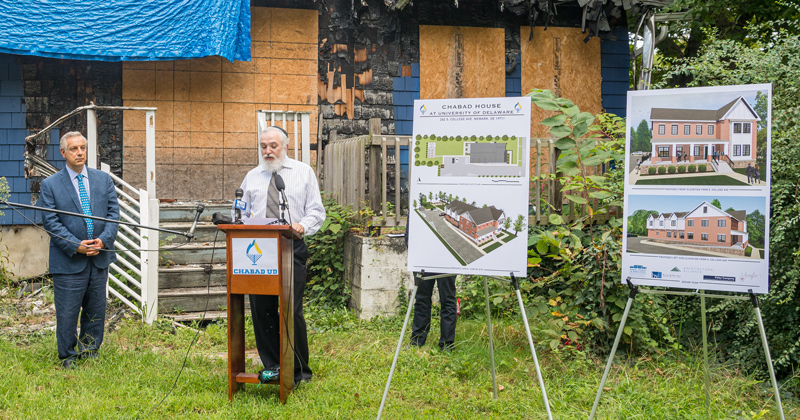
518, 108
656, 274
422, 109
638, 269
254, 256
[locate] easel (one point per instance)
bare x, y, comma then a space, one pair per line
634, 290
515, 283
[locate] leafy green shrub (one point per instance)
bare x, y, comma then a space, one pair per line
692, 168
701, 167
326, 283
651, 170
576, 267
662, 170
681, 169
671, 169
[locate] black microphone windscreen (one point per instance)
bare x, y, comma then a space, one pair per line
239, 193
219, 218
279, 184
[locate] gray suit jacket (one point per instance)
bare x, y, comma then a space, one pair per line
66, 232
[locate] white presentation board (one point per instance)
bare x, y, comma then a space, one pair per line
469, 186
697, 188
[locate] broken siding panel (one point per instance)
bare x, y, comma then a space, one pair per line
461, 62
557, 59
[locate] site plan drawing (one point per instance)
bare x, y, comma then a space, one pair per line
469, 186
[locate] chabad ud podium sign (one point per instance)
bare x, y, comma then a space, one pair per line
259, 263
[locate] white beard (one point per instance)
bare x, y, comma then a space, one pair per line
274, 165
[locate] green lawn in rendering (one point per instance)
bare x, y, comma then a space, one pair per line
696, 180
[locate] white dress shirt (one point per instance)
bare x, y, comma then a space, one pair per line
302, 194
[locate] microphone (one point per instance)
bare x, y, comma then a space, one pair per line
200, 209
239, 205
281, 186
219, 218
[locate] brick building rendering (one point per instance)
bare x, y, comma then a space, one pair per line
689, 135
705, 225
478, 224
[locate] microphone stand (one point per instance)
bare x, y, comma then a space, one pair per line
84, 216
283, 207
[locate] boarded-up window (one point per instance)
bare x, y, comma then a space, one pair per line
461, 62
206, 117
557, 59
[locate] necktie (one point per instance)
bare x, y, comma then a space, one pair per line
87, 208
273, 200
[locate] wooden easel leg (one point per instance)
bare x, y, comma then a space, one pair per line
634, 290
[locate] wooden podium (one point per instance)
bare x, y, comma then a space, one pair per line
260, 261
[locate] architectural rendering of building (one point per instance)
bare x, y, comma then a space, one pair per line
478, 224
705, 225
689, 135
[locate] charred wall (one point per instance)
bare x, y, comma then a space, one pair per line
53, 88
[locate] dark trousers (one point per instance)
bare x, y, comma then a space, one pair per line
422, 311
81, 293
266, 322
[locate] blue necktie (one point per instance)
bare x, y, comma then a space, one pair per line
87, 208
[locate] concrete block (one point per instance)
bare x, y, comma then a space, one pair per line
27, 248
377, 270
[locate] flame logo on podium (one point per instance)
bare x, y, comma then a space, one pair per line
255, 255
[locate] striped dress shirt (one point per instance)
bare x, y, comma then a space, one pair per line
302, 194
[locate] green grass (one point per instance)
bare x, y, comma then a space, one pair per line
351, 360
697, 180
492, 247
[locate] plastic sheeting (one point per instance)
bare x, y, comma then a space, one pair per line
130, 30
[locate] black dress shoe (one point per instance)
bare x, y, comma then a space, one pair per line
67, 364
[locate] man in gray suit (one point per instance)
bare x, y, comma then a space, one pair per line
81, 249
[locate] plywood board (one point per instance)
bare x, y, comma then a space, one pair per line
207, 103
557, 59
461, 62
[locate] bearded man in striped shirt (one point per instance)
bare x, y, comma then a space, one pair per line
306, 214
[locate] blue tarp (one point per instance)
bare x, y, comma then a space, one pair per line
130, 30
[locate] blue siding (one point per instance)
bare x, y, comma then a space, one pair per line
514, 80
406, 90
615, 64
12, 141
